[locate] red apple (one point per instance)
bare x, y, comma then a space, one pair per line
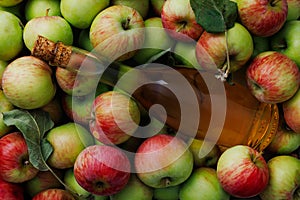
291, 112
11, 191
262, 18
54, 194
15, 166
242, 171
179, 17
272, 77
116, 117
102, 169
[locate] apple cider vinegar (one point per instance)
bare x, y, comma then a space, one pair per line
194, 102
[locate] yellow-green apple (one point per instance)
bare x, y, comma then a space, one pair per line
156, 40
211, 48
54, 194
81, 13
287, 40
179, 17
262, 18
42, 181
11, 32
142, 6
185, 53
163, 161
291, 109
293, 10
284, 179
134, 189
242, 171
67, 140
15, 165
203, 184
11, 191
54, 28
55, 110
272, 77
102, 169
3, 65
260, 44
34, 8
167, 193
84, 41
156, 6
117, 32
27, 83
9, 3
5, 105
210, 160
115, 117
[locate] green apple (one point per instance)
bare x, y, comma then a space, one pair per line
168, 193
81, 13
260, 45
16, 10
8, 3
287, 40
157, 6
203, 184
185, 52
134, 189
293, 10
39, 8
156, 40
11, 41
54, 28
142, 6
5, 105
84, 41
210, 160
67, 140
3, 65
284, 182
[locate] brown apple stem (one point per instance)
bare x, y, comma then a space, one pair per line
166, 181
274, 2
257, 156
182, 25
47, 12
125, 24
225, 70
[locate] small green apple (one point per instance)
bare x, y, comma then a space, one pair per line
142, 6
39, 8
185, 52
3, 65
84, 41
168, 193
9, 3
81, 13
11, 41
293, 10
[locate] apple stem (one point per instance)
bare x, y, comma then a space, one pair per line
166, 182
274, 2
224, 72
257, 156
47, 12
125, 24
182, 25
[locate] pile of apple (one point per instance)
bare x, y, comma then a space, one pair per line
61, 140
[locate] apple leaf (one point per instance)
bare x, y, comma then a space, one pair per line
215, 16
33, 124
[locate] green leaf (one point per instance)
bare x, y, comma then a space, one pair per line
33, 124
215, 16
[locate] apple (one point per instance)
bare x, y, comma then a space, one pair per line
211, 48
210, 160
54, 28
42, 181
156, 6
67, 140
242, 171
27, 83
115, 117
203, 184
81, 13
134, 189
154, 165
142, 6
9, 3
284, 178
55, 110
156, 40
84, 41
287, 41
3, 65
117, 32
34, 8
15, 165
102, 169
5, 105
11, 191
17, 10
167, 193
291, 111
262, 18
293, 10
261, 44
272, 77
179, 17
54, 194
11, 32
